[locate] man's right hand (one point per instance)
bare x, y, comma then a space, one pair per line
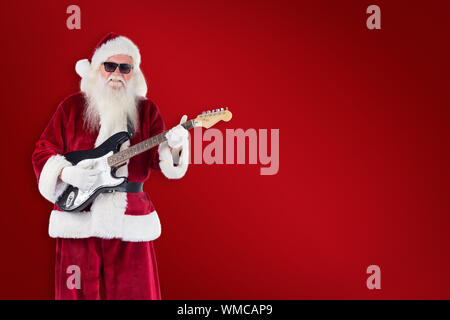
81, 176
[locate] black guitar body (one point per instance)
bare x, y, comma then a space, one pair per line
73, 199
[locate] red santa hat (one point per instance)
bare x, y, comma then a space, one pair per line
110, 45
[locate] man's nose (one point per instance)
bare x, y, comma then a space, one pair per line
117, 71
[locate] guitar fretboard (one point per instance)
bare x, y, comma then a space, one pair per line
124, 155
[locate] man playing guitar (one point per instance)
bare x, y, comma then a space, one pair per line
111, 238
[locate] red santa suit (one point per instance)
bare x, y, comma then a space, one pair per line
112, 238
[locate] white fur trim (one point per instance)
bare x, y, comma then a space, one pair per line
49, 185
166, 161
77, 225
107, 212
119, 45
82, 67
141, 228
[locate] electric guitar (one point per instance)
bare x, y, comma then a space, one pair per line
108, 159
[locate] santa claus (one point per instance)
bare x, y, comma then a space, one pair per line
111, 240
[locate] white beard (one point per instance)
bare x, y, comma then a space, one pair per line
108, 107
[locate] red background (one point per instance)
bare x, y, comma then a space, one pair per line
364, 158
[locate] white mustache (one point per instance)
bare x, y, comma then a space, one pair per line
116, 77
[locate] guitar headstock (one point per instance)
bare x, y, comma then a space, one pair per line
209, 118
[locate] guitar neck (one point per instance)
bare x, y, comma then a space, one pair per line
124, 155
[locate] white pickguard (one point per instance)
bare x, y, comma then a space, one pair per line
104, 179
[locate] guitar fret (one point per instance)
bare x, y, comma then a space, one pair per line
145, 145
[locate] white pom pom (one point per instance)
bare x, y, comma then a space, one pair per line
82, 67
141, 85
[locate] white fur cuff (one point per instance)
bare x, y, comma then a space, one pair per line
78, 225
49, 185
166, 161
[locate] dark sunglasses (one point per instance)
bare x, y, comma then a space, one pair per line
112, 66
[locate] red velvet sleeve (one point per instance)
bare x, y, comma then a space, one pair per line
48, 159
156, 127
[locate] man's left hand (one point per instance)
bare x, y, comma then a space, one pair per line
178, 135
